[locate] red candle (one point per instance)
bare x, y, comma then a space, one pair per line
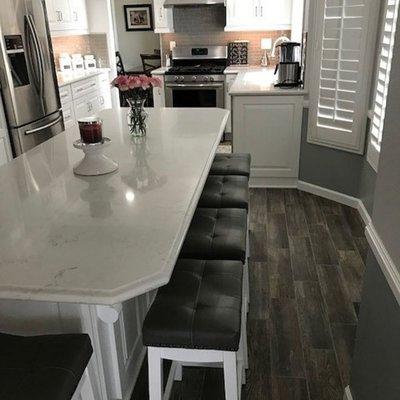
91, 130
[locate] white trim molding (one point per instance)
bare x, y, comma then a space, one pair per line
386, 263
328, 194
347, 394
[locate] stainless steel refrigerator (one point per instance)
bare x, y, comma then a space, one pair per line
27, 74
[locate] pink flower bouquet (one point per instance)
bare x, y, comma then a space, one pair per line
135, 86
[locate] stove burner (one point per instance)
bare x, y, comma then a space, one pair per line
197, 70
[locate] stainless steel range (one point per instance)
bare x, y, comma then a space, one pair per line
196, 78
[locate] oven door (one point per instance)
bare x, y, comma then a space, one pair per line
194, 94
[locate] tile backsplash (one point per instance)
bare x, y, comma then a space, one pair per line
223, 38
95, 44
205, 26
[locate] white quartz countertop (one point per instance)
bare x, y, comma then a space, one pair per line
260, 81
105, 239
160, 71
66, 78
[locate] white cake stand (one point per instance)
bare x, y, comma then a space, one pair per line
95, 162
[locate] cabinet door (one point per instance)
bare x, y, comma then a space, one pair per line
163, 18
159, 94
78, 14
241, 15
276, 14
229, 79
63, 12
87, 106
4, 151
269, 128
105, 100
68, 115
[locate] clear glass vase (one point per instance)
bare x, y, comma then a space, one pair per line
137, 116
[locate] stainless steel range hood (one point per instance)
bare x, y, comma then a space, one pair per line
172, 3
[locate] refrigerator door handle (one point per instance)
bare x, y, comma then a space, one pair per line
38, 51
42, 128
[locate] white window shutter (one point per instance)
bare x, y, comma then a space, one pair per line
382, 79
340, 82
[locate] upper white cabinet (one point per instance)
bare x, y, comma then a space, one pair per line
67, 15
256, 15
163, 18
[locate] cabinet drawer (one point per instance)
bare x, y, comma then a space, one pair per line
68, 114
84, 87
65, 94
87, 106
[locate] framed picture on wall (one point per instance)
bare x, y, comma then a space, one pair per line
138, 17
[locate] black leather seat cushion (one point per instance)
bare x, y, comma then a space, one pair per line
42, 367
225, 191
200, 307
216, 234
231, 164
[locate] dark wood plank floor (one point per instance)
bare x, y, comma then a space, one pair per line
306, 269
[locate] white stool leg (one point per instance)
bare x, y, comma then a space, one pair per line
178, 371
155, 374
231, 376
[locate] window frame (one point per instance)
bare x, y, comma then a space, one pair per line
357, 145
373, 153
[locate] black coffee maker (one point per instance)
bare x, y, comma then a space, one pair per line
289, 67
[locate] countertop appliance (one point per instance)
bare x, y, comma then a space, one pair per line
289, 65
196, 78
28, 77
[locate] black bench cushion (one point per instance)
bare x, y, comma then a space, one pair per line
225, 191
231, 164
200, 307
216, 234
42, 367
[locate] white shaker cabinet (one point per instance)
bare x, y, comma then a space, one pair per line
258, 15
269, 128
229, 79
67, 15
159, 93
5, 148
85, 98
163, 18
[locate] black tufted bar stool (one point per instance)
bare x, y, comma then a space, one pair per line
225, 191
231, 164
50, 367
219, 234
198, 317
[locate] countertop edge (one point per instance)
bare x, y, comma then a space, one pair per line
83, 77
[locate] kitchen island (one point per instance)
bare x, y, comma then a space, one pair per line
83, 254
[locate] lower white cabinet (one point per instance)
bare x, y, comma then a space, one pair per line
85, 98
159, 93
5, 155
229, 79
5, 148
269, 128
115, 332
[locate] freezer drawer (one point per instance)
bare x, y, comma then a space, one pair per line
29, 136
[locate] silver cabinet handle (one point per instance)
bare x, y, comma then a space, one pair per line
75, 16
261, 8
42, 128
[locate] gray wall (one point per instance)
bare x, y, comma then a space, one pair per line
337, 170
131, 44
376, 362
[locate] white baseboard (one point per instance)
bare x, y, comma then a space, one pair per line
329, 194
364, 213
281, 183
347, 394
